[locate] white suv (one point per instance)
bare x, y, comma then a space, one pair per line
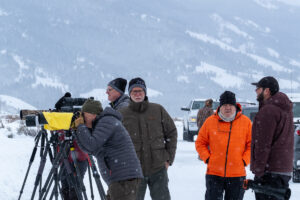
296, 165
190, 128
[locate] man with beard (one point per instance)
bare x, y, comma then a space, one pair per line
272, 137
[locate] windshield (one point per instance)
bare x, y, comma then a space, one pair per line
250, 112
296, 109
200, 104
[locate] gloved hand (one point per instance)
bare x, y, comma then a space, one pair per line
260, 180
79, 121
207, 160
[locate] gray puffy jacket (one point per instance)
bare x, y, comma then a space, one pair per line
121, 102
110, 143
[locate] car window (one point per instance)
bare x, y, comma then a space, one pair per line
250, 112
215, 105
197, 105
200, 104
296, 109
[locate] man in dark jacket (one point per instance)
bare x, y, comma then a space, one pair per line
104, 136
115, 93
154, 136
204, 112
272, 137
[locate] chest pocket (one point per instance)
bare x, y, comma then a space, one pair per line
155, 130
132, 126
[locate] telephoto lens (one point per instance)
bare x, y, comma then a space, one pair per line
30, 120
35, 120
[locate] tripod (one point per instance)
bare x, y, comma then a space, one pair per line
60, 165
42, 133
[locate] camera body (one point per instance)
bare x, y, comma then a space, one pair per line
70, 104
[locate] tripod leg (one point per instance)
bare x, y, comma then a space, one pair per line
72, 179
54, 165
48, 188
78, 174
97, 179
91, 183
41, 169
44, 136
30, 163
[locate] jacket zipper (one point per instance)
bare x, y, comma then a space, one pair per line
227, 149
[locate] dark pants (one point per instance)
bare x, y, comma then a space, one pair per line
216, 186
158, 186
274, 181
68, 189
123, 190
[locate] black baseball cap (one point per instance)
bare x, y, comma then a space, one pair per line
268, 82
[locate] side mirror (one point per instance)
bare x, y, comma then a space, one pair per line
185, 109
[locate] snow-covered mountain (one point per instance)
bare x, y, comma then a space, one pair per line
183, 49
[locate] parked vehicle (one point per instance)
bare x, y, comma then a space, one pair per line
296, 165
249, 109
190, 128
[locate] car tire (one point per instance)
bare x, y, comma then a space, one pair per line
185, 135
296, 175
190, 137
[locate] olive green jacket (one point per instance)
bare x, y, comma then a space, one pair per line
153, 134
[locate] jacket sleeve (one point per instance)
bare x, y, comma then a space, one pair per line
92, 142
265, 126
202, 142
247, 152
170, 135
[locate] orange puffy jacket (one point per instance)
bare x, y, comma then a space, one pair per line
226, 145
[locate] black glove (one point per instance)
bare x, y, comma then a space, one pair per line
260, 180
207, 160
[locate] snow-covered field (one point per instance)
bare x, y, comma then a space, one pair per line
187, 175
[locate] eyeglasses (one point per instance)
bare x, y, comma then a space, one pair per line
109, 89
257, 88
135, 92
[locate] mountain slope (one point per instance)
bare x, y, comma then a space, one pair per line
183, 49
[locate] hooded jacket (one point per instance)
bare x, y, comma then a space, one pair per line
273, 136
203, 114
225, 145
111, 144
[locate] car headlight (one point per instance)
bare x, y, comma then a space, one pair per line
192, 119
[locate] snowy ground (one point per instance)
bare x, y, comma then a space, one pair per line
187, 175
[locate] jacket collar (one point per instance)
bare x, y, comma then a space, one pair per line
238, 112
139, 107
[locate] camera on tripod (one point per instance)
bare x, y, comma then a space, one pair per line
60, 146
64, 105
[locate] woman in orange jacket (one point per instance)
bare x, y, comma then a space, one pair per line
224, 143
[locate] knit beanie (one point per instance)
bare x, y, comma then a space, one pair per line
118, 84
137, 82
227, 98
92, 106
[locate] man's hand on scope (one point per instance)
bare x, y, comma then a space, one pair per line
79, 120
